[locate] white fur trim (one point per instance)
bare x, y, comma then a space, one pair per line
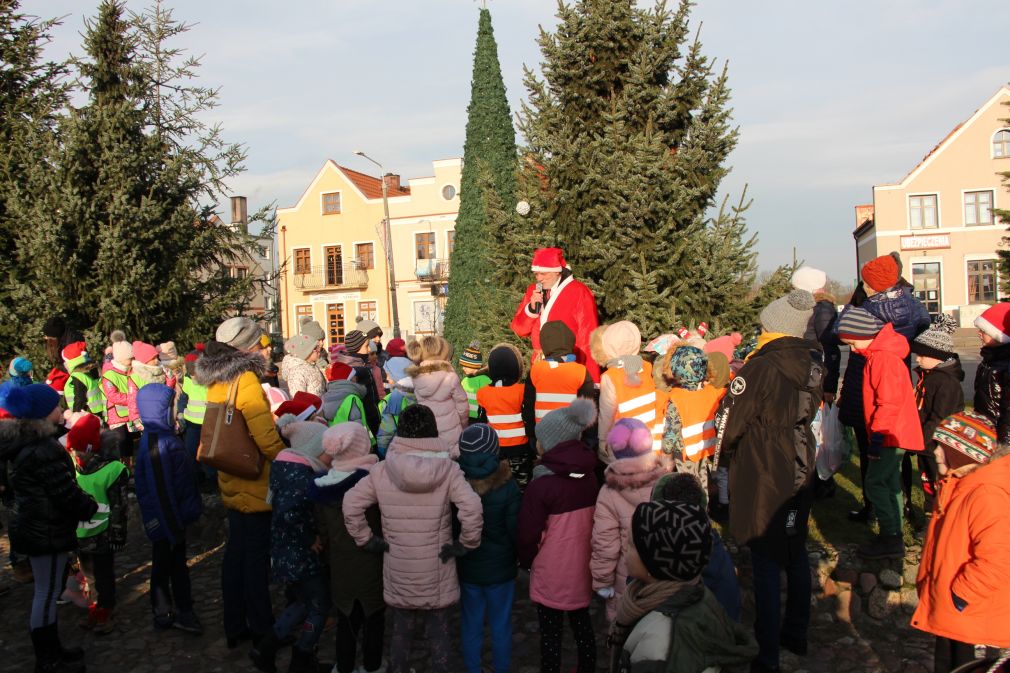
555, 293
993, 331
332, 478
546, 269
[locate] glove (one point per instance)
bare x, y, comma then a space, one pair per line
376, 545
451, 551
876, 444
605, 592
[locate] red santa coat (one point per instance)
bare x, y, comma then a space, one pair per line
572, 303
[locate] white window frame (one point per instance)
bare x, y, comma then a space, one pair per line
375, 252
322, 209
359, 302
979, 257
295, 315
413, 304
992, 207
455, 196
908, 211
992, 144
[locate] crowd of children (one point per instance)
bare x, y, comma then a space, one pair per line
388, 481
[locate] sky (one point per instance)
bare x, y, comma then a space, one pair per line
831, 96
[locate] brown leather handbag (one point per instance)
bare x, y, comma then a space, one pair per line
225, 442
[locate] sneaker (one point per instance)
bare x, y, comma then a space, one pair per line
883, 547
188, 621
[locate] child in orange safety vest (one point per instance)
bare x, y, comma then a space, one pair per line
507, 406
689, 433
557, 379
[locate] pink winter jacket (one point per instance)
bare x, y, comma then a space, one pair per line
415, 487
629, 482
115, 397
437, 387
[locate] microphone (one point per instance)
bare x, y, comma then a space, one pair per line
537, 306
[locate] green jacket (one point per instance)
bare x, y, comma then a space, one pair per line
471, 384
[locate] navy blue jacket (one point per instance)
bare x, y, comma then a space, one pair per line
720, 578
163, 470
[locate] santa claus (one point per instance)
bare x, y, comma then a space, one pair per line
556, 295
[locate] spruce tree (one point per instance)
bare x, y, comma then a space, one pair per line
489, 149
628, 132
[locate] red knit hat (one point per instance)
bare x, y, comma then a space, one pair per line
995, 321
881, 273
144, 352
299, 403
548, 259
396, 348
85, 435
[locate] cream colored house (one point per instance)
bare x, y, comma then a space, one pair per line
333, 254
940, 217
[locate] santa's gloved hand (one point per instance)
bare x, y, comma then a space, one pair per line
376, 545
605, 593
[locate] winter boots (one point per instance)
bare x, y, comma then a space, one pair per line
883, 547
51, 657
264, 654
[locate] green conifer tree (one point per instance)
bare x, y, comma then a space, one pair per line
489, 149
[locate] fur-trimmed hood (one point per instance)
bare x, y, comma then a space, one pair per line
227, 364
662, 364
499, 478
17, 433
821, 295
429, 366
632, 473
149, 373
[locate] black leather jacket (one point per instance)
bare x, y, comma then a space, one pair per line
992, 388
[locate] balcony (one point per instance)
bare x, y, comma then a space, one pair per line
327, 277
431, 270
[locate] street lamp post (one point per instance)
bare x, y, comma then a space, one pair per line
388, 233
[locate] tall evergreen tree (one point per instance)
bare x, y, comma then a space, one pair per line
489, 149
628, 131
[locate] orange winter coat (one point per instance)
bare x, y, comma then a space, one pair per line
967, 553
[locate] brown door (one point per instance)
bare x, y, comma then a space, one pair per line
335, 323
334, 265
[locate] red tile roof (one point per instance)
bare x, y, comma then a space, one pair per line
370, 185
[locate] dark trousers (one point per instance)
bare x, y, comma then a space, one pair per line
769, 626
306, 614
951, 654
436, 625
100, 569
170, 577
863, 443
126, 441
372, 629
245, 575
551, 622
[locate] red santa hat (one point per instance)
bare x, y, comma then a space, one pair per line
995, 321
85, 435
548, 259
299, 404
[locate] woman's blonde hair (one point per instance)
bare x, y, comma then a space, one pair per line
430, 347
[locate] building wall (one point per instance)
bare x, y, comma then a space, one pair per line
963, 162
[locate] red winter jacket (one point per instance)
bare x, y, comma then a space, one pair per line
888, 397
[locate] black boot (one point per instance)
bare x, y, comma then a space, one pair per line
264, 654
303, 662
46, 642
67, 654
883, 547
862, 515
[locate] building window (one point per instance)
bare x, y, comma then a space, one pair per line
922, 211
977, 208
367, 310
331, 203
424, 245
449, 192
1001, 144
450, 242
303, 260
333, 254
982, 281
365, 254
237, 272
302, 311
926, 281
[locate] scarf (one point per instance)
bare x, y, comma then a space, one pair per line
763, 340
640, 599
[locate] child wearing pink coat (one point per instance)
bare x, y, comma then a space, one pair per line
437, 386
415, 487
629, 481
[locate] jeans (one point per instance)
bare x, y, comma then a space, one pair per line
170, 577
307, 612
495, 601
883, 488
101, 574
48, 572
551, 621
767, 602
436, 623
245, 575
372, 629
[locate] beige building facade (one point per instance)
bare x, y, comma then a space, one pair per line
332, 249
940, 218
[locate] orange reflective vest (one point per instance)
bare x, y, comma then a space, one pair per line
504, 408
641, 402
662, 402
697, 417
557, 385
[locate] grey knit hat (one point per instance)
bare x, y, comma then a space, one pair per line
858, 323
937, 341
313, 329
240, 333
566, 423
789, 314
300, 345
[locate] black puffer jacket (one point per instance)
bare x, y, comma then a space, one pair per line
765, 437
992, 388
821, 329
48, 503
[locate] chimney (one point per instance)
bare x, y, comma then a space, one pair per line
240, 214
392, 181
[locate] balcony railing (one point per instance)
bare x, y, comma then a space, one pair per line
345, 276
431, 270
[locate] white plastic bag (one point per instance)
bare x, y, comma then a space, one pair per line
832, 449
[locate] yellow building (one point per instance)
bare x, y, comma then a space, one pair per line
940, 218
331, 246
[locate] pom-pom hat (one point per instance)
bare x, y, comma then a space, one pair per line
995, 321
565, 424
881, 273
789, 314
85, 435
937, 341
546, 260
74, 355
472, 357
808, 278
32, 401
629, 438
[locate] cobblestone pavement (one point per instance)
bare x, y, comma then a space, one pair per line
859, 623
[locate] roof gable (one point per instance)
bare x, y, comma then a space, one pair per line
367, 187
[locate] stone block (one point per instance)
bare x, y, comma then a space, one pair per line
909, 599
847, 575
867, 582
890, 579
882, 603
911, 571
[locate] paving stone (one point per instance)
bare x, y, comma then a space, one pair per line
890, 579
867, 582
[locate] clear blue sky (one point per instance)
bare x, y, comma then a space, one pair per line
830, 97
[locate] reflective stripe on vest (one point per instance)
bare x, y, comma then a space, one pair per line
638, 402
557, 385
503, 406
697, 415
119, 413
97, 486
471, 384
95, 398
343, 414
196, 401
662, 402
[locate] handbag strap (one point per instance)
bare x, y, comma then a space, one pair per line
231, 401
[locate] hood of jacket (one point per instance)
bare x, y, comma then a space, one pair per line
149, 373
434, 380
418, 465
344, 388
888, 341
478, 465
496, 479
154, 403
822, 295
1000, 353
627, 474
792, 358
223, 364
570, 459
90, 367
950, 368
17, 433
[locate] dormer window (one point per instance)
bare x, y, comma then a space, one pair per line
1001, 144
331, 203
